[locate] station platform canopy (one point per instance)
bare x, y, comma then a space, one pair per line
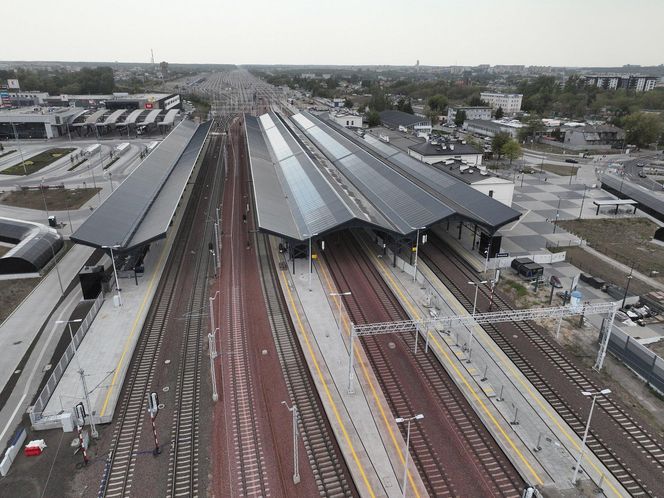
302, 194
141, 208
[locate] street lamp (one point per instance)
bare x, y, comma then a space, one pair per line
41, 187
472, 328
296, 466
401, 420
594, 395
339, 295
115, 271
629, 279
555, 222
81, 373
20, 150
417, 249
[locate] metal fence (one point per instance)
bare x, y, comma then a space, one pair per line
644, 362
36, 411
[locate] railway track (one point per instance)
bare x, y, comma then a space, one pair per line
183, 459
324, 455
629, 451
452, 450
118, 474
251, 474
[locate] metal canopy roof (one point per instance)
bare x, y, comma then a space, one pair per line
151, 117
647, 198
35, 245
142, 206
465, 200
133, 116
293, 197
169, 119
404, 203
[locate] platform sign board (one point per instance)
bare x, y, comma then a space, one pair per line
502, 255
575, 281
13, 84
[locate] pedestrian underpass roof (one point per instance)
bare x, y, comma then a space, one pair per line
141, 208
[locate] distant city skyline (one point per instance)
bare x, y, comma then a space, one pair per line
592, 33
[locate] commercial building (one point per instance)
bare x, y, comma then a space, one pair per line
37, 122
347, 119
636, 82
593, 137
472, 113
492, 128
403, 121
510, 102
164, 101
431, 153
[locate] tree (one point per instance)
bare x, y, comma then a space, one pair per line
476, 101
378, 100
434, 117
408, 107
373, 118
642, 129
438, 103
499, 113
498, 141
460, 118
533, 126
362, 108
348, 103
511, 150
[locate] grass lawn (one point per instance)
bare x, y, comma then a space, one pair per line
559, 169
625, 240
35, 163
57, 199
596, 267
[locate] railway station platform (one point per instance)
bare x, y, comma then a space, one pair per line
107, 348
362, 422
537, 440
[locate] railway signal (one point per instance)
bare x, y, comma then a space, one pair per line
79, 411
153, 409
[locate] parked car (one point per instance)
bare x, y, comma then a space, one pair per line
640, 164
573, 161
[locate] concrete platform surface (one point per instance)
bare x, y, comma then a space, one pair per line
511, 408
362, 421
107, 348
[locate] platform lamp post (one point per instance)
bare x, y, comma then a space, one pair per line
115, 272
472, 328
594, 396
311, 268
81, 373
408, 421
57, 269
339, 295
417, 248
296, 465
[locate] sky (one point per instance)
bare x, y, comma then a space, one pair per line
340, 32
